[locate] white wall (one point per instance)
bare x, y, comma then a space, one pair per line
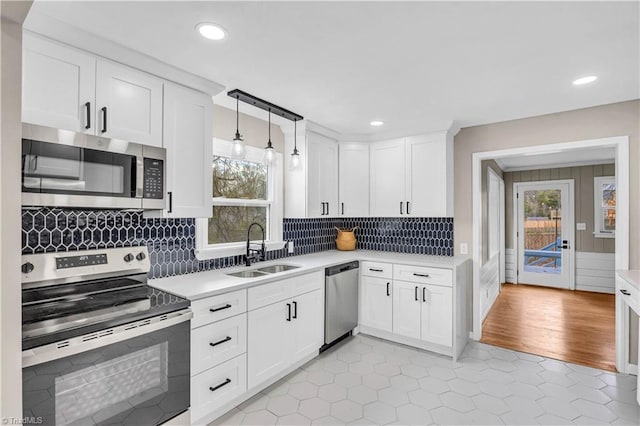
13, 14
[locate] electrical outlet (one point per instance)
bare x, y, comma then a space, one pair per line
464, 248
290, 246
581, 226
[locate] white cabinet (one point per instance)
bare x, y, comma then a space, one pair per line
387, 178
129, 104
376, 298
436, 323
406, 309
288, 329
58, 85
322, 176
353, 179
269, 342
187, 137
412, 176
69, 89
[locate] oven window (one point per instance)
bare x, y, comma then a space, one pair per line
142, 380
103, 390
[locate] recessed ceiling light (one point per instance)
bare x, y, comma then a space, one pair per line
585, 80
377, 123
211, 31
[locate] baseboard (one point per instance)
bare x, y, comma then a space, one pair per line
431, 347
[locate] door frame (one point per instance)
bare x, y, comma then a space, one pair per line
571, 218
502, 224
621, 146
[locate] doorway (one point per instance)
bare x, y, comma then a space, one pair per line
545, 240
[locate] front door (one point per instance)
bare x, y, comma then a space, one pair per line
545, 224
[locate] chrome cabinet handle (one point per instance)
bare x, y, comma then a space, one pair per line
226, 339
215, 388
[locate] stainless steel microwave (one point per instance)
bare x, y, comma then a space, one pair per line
61, 168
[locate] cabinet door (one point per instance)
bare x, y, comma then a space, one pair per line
354, 180
387, 178
58, 86
187, 136
269, 342
308, 327
426, 176
437, 315
406, 309
376, 306
322, 176
133, 102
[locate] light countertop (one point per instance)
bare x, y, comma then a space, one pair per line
210, 283
632, 276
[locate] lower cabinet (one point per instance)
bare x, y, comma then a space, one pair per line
423, 311
283, 333
376, 306
216, 386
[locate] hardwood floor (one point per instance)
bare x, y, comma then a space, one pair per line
574, 326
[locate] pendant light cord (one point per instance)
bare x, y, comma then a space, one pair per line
269, 142
237, 114
295, 136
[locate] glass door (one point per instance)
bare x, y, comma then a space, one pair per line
545, 233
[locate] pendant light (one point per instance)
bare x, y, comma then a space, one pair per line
269, 152
238, 150
295, 162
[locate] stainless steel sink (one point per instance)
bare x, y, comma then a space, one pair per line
277, 268
253, 273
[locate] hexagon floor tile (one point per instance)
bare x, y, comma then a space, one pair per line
371, 381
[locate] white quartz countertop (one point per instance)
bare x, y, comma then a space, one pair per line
210, 283
632, 276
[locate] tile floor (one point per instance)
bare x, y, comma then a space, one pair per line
369, 381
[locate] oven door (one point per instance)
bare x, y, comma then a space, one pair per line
72, 176
133, 374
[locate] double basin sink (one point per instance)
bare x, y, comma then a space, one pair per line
260, 272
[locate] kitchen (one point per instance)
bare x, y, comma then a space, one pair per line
399, 220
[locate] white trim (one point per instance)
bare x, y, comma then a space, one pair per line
556, 165
598, 181
569, 224
621, 144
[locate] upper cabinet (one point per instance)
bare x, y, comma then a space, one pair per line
353, 179
188, 136
313, 190
412, 177
58, 87
128, 104
322, 176
68, 89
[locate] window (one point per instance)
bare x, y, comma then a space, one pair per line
244, 191
604, 214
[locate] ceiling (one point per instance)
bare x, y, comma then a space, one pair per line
417, 66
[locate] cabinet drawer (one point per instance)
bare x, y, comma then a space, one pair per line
276, 291
215, 343
215, 387
216, 308
629, 294
422, 274
377, 269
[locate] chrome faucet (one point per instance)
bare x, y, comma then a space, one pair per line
259, 254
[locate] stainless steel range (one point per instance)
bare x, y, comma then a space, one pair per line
99, 345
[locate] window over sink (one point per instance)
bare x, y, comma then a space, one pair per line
244, 191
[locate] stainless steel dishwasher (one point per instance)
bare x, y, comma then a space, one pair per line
341, 301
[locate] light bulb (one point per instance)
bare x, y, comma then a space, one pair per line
295, 162
238, 150
269, 155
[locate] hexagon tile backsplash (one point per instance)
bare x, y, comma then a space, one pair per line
171, 242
